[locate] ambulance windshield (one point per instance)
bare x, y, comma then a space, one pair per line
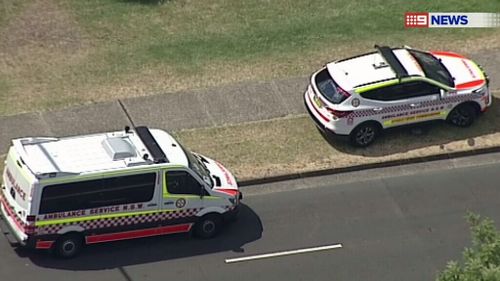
197, 165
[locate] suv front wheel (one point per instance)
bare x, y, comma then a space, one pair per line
364, 135
463, 115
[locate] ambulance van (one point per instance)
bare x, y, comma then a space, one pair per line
65, 193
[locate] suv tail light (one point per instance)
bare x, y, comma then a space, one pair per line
343, 92
337, 113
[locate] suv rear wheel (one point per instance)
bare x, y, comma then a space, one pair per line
463, 115
364, 135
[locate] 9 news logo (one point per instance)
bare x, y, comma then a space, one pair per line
416, 20
425, 20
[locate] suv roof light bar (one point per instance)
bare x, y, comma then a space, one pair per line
389, 56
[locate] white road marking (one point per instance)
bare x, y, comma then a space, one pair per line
285, 253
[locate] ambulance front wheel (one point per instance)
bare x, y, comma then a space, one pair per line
68, 245
365, 134
208, 226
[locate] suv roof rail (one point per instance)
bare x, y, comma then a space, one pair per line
384, 80
389, 56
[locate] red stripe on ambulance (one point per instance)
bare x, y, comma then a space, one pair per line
171, 229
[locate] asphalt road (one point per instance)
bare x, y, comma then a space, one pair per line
399, 223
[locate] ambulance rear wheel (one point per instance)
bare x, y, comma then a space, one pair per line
462, 115
68, 246
364, 134
208, 226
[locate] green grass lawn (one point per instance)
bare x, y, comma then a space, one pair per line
122, 48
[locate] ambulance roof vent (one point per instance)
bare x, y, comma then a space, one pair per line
118, 148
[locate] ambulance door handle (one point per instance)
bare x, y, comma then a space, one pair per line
377, 108
151, 205
414, 104
168, 203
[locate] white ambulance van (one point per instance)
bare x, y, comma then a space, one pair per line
64, 193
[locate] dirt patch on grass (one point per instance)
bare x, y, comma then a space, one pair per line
42, 24
36, 45
292, 145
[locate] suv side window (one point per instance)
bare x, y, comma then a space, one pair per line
181, 182
402, 91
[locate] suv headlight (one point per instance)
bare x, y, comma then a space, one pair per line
482, 91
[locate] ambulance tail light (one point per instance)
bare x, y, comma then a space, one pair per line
338, 113
30, 227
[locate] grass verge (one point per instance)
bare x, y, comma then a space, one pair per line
292, 145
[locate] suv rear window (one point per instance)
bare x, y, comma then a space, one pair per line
328, 88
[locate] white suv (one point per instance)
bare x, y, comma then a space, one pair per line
358, 97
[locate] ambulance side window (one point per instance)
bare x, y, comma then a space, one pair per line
97, 193
181, 182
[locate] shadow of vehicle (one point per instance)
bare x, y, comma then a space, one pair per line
247, 228
410, 137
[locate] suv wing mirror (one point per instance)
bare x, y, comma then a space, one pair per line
442, 93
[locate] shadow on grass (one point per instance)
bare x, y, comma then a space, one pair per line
233, 237
406, 138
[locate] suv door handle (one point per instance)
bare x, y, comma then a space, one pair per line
377, 108
415, 104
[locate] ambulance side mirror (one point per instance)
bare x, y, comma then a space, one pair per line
203, 192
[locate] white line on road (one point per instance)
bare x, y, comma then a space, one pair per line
285, 253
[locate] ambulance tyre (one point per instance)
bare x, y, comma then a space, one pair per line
68, 246
208, 226
365, 134
463, 115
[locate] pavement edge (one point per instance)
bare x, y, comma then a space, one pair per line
355, 168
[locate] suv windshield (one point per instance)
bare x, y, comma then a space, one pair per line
328, 88
433, 68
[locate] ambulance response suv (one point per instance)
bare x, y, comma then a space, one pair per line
63, 193
359, 96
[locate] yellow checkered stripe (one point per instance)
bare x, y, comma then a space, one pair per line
108, 221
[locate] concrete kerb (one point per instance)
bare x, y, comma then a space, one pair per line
385, 164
